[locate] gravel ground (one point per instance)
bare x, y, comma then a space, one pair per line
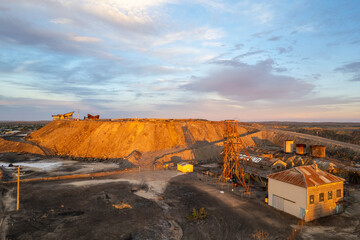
152, 205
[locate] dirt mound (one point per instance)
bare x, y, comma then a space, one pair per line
151, 140
10, 146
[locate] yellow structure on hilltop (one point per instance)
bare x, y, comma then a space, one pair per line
184, 167
63, 116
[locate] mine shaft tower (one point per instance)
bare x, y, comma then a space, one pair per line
236, 155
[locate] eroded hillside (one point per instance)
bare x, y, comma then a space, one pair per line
10, 146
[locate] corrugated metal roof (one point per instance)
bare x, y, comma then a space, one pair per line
184, 164
305, 176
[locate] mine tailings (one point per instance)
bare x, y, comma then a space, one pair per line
143, 142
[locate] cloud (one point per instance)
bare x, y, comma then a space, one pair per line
4, 9
305, 28
213, 44
247, 54
238, 46
282, 50
61, 21
201, 33
351, 68
155, 70
17, 32
276, 38
280, 69
245, 82
230, 63
85, 39
328, 101
262, 34
260, 12
234, 61
127, 15
121, 16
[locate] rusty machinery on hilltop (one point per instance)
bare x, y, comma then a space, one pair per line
235, 154
92, 117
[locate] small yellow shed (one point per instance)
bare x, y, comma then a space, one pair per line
184, 167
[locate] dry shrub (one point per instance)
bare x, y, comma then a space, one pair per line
260, 235
197, 215
122, 206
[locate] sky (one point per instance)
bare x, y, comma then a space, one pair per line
243, 60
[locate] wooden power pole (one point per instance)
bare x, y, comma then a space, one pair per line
18, 190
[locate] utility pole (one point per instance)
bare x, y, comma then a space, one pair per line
18, 189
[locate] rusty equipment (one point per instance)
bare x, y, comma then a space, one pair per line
93, 117
235, 155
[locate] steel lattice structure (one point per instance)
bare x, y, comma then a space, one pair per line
236, 155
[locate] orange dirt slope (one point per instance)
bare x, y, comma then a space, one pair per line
10, 146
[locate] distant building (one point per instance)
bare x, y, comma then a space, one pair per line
271, 164
63, 116
288, 146
184, 167
318, 151
300, 149
306, 192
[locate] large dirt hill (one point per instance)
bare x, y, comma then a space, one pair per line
142, 142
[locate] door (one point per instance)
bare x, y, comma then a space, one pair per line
278, 202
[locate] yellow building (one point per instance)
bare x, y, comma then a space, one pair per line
288, 146
184, 167
63, 116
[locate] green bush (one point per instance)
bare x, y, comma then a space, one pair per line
196, 215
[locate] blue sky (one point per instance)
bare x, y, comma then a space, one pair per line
245, 60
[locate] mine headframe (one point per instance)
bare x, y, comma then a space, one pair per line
235, 154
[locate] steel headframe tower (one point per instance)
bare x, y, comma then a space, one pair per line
235, 155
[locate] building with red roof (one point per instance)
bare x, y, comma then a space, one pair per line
306, 192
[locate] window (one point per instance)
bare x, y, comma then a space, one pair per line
321, 197
312, 200
338, 193
329, 195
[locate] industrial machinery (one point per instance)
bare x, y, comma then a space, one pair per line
236, 156
63, 116
92, 117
